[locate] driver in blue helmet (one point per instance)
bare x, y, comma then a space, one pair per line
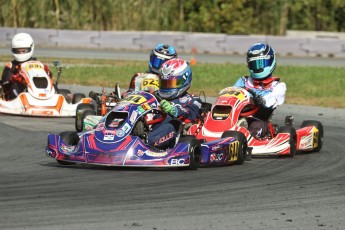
160, 54
269, 90
175, 78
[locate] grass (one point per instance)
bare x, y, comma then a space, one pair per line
318, 86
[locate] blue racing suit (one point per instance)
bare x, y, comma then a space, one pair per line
188, 110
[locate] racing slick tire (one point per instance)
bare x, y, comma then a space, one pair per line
66, 94
243, 144
194, 151
70, 138
80, 116
77, 97
293, 138
319, 126
84, 114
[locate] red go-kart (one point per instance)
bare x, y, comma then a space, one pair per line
233, 111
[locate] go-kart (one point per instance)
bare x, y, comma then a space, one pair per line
87, 116
41, 97
233, 111
119, 139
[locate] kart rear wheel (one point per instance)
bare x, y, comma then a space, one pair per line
319, 126
70, 138
242, 148
293, 138
77, 97
79, 115
84, 115
194, 151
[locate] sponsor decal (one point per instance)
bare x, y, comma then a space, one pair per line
146, 106
216, 157
108, 137
164, 139
140, 153
120, 133
133, 116
126, 127
141, 110
65, 148
155, 154
221, 114
216, 147
41, 112
177, 161
110, 132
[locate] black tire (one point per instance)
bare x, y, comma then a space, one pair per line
194, 151
293, 138
70, 138
319, 126
84, 115
77, 97
243, 144
79, 119
65, 93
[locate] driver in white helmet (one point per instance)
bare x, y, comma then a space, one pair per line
22, 50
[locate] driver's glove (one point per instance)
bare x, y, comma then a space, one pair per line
168, 108
259, 100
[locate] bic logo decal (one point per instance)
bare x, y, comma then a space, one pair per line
177, 162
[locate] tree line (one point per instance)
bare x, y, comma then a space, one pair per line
262, 17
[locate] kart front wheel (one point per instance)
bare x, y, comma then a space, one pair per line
194, 151
293, 138
242, 148
319, 135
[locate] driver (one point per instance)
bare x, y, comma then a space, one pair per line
269, 91
160, 54
22, 49
175, 78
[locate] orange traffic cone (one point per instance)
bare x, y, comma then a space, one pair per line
192, 59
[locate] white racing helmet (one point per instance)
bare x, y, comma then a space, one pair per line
22, 47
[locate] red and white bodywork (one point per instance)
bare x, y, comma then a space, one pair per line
40, 98
230, 112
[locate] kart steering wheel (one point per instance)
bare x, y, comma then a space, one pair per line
252, 108
160, 112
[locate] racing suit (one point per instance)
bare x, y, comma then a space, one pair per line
188, 110
12, 83
271, 93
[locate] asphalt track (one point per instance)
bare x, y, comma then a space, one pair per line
303, 192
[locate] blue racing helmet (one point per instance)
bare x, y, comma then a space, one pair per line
160, 54
175, 78
261, 61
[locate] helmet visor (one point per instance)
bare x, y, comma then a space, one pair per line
21, 50
156, 62
259, 64
172, 83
